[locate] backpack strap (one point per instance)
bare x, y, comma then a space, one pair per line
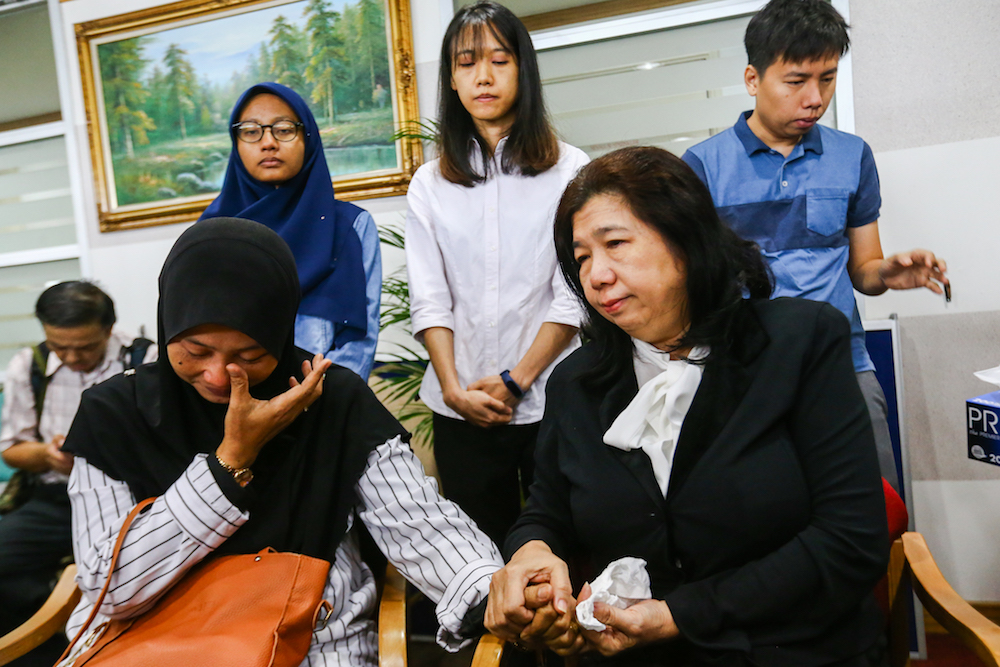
133, 355
36, 375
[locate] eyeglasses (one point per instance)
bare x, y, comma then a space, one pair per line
251, 132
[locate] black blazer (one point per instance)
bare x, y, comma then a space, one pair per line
773, 531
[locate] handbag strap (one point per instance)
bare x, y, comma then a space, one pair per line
111, 570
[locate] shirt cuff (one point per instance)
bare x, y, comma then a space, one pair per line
469, 587
241, 496
570, 313
201, 508
420, 322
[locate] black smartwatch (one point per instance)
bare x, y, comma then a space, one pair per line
513, 387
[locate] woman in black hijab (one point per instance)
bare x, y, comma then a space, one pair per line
218, 430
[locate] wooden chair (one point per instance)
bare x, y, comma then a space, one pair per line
911, 561
489, 650
47, 621
54, 613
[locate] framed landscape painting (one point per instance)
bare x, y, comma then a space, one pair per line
159, 86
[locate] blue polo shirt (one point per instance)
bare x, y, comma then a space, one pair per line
797, 209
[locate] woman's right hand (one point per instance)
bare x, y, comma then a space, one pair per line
478, 407
251, 423
512, 607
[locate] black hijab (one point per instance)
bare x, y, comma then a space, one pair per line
145, 429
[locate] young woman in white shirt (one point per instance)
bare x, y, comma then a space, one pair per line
487, 297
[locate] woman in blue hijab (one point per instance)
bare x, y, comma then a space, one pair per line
278, 176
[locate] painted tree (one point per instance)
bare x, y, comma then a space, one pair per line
124, 95
288, 55
158, 104
372, 54
363, 32
326, 67
182, 84
205, 103
260, 67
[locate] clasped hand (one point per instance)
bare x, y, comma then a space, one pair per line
486, 402
531, 603
252, 423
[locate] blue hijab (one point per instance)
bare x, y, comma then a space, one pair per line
318, 228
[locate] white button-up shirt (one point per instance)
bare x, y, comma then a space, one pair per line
482, 263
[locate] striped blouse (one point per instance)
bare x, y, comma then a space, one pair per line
430, 540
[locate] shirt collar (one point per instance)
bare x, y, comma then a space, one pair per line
476, 155
812, 141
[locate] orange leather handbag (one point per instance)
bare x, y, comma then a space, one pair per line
242, 611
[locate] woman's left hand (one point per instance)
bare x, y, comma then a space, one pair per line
251, 423
642, 623
495, 387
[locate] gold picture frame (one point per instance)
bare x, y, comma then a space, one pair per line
156, 200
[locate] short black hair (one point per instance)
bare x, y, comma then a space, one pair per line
664, 192
532, 146
796, 31
75, 303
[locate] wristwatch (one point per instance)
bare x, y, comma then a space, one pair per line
512, 386
243, 476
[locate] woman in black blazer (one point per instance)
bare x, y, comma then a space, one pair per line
722, 439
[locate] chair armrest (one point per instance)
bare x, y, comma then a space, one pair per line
392, 620
488, 651
45, 622
946, 606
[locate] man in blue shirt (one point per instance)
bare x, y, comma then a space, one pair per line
809, 195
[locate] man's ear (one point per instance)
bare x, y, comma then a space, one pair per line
751, 79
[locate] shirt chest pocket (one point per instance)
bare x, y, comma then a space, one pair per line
826, 210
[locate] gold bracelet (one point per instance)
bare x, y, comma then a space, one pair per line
243, 476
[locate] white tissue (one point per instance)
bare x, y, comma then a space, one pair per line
991, 375
623, 583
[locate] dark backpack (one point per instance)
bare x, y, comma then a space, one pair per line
19, 487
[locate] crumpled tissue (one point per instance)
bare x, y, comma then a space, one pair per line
991, 375
623, 583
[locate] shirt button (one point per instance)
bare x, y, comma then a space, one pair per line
493, 248
492, 324
677, 563
784, 184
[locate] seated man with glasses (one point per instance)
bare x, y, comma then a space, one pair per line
278, 176
42, 392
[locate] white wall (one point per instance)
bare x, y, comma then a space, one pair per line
29, 64
943, 197
127, 263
